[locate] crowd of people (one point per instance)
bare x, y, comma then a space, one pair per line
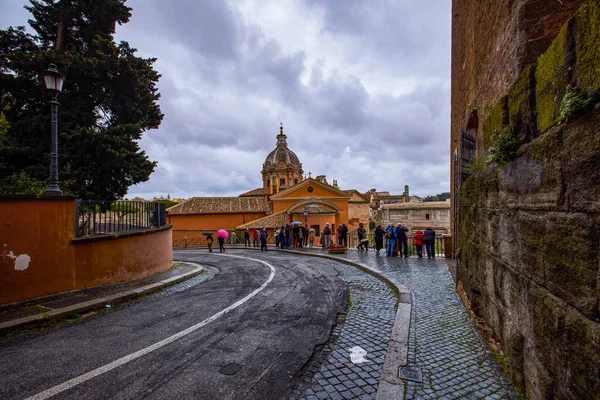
393, 239
396, 241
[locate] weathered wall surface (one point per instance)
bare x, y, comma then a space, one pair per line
435, 214
39, 254
493, 41
529, 239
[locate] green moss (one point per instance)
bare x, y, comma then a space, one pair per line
496, 121
546, 146
587, 47
487, 132
552, 79
518, 104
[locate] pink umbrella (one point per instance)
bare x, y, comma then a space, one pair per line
223, 233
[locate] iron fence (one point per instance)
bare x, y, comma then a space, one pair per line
352, 242
95, 217
412, 248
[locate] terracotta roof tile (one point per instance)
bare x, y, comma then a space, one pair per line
220, 205
256, 192
270, 221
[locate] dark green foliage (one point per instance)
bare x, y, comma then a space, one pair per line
438, 197
372, 225
504, 147
21, 184
167, 203
573, 101
109, 99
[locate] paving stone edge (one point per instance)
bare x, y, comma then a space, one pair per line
101, 302
390, 385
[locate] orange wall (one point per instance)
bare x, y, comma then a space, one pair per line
192, 226
43, 231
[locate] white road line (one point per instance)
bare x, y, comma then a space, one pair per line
124, 360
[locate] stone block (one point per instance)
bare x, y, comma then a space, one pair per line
553, 73
580, 159
587, 47
521, 106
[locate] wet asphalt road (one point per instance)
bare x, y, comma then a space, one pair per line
255, 351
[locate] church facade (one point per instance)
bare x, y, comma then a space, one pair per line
286, 196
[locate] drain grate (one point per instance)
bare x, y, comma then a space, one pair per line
411, 374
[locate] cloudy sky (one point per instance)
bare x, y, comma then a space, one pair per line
362, 88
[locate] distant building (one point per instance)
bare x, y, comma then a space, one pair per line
286, 196
378, 199
433, 214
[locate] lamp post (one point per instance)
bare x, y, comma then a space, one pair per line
306, 217
53, 80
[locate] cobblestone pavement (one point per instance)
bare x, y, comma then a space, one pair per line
455, 360
208, 274
368, 325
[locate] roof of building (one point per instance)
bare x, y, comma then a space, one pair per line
306, 182
270, 221
420, 205
259, 192
356, 196
221, 205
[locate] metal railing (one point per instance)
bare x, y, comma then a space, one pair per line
94, 217
412, 249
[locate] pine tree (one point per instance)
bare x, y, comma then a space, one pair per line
109, 98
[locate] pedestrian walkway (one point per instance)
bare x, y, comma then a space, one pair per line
444, 343
367, 326
76, 301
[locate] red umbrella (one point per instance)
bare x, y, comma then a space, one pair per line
223, 233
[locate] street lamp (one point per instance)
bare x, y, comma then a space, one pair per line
306, 217
54, 82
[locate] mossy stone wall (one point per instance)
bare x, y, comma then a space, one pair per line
529, 236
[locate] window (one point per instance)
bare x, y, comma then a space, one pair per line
426, 216
317, 229
282, 182
310, 189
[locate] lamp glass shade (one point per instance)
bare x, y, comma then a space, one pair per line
53, 80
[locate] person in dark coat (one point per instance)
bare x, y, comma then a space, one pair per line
221, 243
429, 241
362, 234
327, 236
246, 238
282, 236
288, 235
300, 237
295, 230
379, 234
402, 240
263, 235
209, 242
344, 234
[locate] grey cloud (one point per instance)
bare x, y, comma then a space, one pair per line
209, 27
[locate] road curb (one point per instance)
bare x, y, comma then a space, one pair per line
390, 385
101, 302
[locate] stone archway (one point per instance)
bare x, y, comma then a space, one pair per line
319, 213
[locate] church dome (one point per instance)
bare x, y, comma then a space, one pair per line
282, 168
281, 152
